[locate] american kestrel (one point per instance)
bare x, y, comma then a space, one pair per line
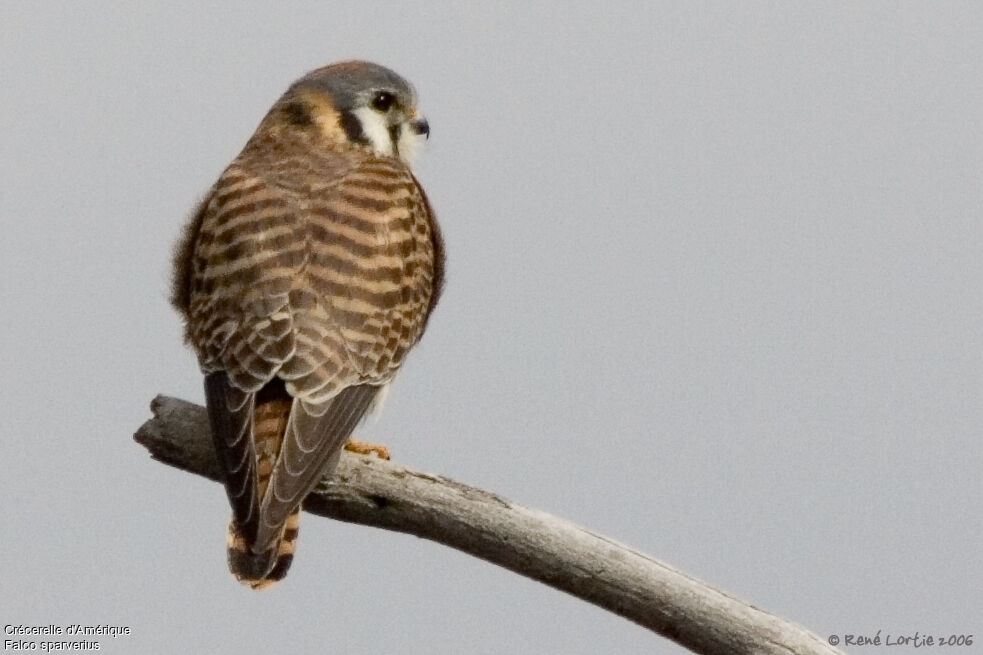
304, 277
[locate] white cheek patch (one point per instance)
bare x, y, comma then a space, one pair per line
410, 143
376, 131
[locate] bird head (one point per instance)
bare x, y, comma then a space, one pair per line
363, 104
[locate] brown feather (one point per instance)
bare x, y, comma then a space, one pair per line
305, 277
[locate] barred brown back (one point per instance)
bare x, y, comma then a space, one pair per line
305, 277
328, 287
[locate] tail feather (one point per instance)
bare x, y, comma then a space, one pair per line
264, 569
273, 449
269, 423
255, 564
285, 551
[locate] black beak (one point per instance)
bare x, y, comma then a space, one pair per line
421, 126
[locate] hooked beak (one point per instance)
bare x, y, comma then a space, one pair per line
421, 126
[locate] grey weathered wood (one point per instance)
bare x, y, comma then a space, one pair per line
532, 543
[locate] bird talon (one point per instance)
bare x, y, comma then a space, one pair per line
367, 448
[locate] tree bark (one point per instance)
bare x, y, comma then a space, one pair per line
592, 567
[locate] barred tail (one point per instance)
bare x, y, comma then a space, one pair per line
250, 565
263, 570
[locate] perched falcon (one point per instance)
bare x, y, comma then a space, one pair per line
304, 278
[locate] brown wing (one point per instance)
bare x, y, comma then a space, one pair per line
311, 446
230, 412
249, 249
309, 443
244, 250
325, 289
362, 302
365, 293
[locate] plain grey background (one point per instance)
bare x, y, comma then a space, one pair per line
714, 289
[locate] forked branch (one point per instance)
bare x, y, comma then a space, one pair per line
568, 557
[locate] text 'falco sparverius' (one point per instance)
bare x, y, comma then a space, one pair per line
304, 277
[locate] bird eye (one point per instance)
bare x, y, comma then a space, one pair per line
383, 101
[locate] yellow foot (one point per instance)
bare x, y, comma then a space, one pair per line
366, 448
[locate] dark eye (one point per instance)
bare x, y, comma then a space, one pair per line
383, 101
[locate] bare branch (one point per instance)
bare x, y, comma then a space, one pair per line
592, 567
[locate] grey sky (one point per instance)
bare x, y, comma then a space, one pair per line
713, 289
